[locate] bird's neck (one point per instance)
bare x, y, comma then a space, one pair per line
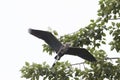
63, 49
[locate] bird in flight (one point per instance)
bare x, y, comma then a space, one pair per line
61, 49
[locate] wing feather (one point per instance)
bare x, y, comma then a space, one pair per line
81, 52
48, 37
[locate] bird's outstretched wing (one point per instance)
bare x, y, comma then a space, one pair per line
81, 52
50, 39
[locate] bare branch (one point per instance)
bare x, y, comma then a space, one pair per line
112, 58
107, 58
77, 63
115, 19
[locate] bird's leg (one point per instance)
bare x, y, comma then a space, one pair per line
54, 63
58, 56
59, 53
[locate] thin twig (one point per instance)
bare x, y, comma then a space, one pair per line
107, 58
115, 19
112, 58
77, 63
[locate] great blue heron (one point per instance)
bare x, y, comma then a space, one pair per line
59, 48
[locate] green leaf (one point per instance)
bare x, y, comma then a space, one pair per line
103, 34
111, 31
113, 23
98, 20
112, 47
27, 64
103, 42
91, 20
115, 17
118, 25
55, 32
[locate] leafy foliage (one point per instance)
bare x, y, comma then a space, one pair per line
92, 37
61, 71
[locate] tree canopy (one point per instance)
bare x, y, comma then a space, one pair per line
91, 37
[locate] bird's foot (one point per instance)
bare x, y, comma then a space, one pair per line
57, 57
54, 63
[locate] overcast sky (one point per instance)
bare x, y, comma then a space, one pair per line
17, 16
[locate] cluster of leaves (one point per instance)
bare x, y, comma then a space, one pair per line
103, 70
115, 32
92, 37
109, 9
65, 71
61, 71
94, 34
34, 71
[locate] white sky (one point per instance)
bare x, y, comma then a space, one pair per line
17, 16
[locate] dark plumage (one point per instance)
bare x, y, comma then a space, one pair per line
59, 48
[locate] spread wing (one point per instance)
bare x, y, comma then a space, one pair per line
81, 52
50, 39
